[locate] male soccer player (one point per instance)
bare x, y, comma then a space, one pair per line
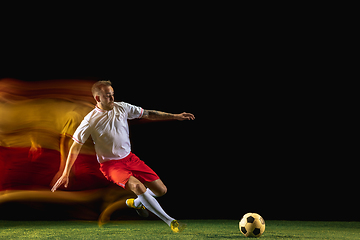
107, 124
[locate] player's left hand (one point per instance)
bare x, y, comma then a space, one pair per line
184, 116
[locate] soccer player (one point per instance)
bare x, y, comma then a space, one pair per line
107, 124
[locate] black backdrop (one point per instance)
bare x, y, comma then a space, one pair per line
254, 147
272, 133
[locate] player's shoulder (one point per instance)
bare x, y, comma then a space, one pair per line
123, 105
93, 114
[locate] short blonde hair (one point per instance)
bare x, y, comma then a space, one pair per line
96, 88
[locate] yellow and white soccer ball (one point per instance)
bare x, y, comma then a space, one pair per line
252, 225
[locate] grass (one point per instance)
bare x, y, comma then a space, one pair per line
197, 229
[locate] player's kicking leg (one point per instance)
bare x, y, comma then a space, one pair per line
156, 189
146, 198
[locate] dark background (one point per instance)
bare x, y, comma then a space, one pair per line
272, 133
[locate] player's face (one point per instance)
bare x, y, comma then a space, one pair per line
107, 97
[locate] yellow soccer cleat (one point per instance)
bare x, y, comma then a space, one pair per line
130, 203
177, 227
140, 210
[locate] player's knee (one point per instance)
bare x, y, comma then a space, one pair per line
137, 187
162, 191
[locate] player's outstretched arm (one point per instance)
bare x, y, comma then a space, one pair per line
64, 179
158, 115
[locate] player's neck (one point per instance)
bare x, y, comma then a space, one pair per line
101, 107
98, 105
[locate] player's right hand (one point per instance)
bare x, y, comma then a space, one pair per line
64, 179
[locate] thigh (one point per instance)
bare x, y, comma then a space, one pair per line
142, 171
157, 187
116, 172
133, 184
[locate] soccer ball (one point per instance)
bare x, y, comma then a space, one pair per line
252, 225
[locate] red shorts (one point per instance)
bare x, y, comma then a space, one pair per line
119, 171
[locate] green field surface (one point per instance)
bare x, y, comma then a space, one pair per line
197, 229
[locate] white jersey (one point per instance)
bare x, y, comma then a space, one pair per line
109, 130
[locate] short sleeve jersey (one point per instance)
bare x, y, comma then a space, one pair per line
109, 130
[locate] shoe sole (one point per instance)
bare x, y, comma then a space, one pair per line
142, 213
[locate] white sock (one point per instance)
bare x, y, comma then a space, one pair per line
137, 201
151, 192
152, 205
